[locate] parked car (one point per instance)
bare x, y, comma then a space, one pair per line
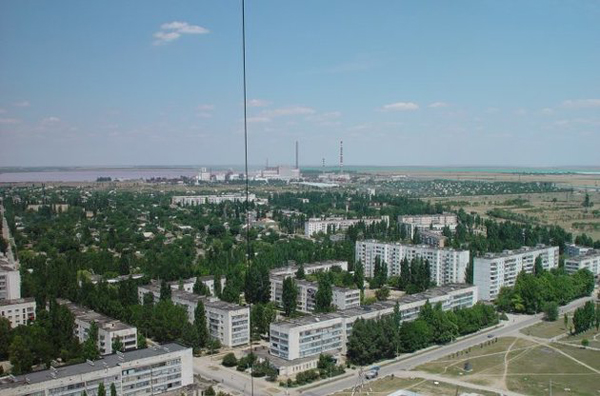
371, 374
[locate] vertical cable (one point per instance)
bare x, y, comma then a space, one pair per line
246, 175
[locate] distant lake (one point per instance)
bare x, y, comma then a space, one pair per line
91, 175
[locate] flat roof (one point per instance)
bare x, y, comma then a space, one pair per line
104, 322
590, 254
524, 249
410, 245
16, 301
108, 361
313, 284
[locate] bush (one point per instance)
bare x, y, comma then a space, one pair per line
229, 360
551, 311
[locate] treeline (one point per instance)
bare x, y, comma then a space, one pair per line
377, 339
586, 317
532, 291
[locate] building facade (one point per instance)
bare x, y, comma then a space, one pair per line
195, 200
311, 268
109, 329
590, 261
10, 283
495, 270
432, 222
334, 224
309, 336
149, 371
18, 311
446, 265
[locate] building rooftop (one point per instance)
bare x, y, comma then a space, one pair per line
586, 256
104, 322
410, 245
15, 301
108, 361
524, 249
224, 306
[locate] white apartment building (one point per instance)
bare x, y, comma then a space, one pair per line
333, 224
187, 285
572, 250
18, 311
10, 283
311, 268
227, 322
310, 336
590, 261
432, 238
446, 265
150, 371
109, 329
342, 298
195, 200
495, 270
433, 222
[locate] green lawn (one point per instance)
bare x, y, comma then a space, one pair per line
547, 329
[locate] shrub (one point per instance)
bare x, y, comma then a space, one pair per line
229, 360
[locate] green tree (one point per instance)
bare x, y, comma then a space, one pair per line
257, 284
324, 295
117, 345
416, 239
551, 311
229, 360
585, 342
201, 325
141, 341
538, 266
359, 275
382, 293
4, 337
200, 288
113, 389
566, 321
90, 345
300, 272
20, 356
165, 291
101, 390
217, 282
289, 297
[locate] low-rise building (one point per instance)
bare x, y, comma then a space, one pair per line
18, 311
433, 238
194, 200
495, 270
432, 222
334, 224
342, 298
149, 371
309, 336
446, 265
187, 285
109, 329
590, 260
227, 322
311, 268
572, 250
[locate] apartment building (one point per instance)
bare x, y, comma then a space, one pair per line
194, 200
309, 336
109, 329
18, 311
149, 371
432, 222
342, 298
495, 270
446, 265
311, 268
187, 285
572, 250
10, 282
333, 224
433, 238
227, 322
590, 260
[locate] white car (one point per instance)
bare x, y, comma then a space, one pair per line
371, 374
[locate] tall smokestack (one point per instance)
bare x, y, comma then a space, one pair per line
341, 156
297, 155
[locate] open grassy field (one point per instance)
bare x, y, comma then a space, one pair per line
547, 329
526, 366
560, 208
422, 386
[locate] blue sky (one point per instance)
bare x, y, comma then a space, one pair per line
400, 82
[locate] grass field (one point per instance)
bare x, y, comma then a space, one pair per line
547, 329
422, 386
525, 366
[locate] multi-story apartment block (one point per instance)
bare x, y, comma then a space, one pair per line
311, 268
589, 260
334, 224
433, 222
433, 238
310, 336
495, 270
342, 298
109, 329
572, 250
149, 371
446, 265
187, 285
195, 200
227, 322
10, 283
18, 311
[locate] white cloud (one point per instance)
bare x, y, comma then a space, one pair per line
9, 121
436, 105
50, 121
173, 30
23, 103
258, 103
401, 106
288, 111
581, 103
